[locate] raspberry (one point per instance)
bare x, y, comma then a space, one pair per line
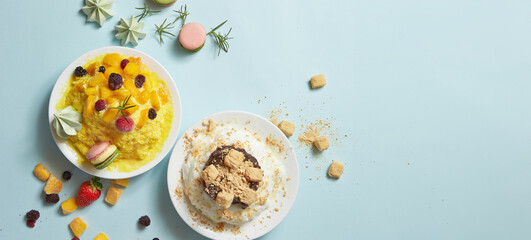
139, 80
80, 71
67, 175
144, 221
101, 69
152, 114
52, 198
124, 125
33, 215
75, 238
30, 223
124, 63
115, 81
100, 105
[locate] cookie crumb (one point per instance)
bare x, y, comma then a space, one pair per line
335, 170
318, 81
321, 143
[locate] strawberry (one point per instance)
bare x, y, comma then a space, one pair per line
89, 192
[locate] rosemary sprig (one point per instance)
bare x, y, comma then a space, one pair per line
146, 12
220, 39
125, 105
163, 29
183, 13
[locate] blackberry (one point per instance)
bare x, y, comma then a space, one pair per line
152, 114
33, 215
80, 71
52, 198
30, 223
124, 63
101, 69
144, 221
100, 105
67, 175
115, 81
139, 80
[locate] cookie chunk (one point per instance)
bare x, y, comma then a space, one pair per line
318, 81
254, 174
234, 158
224, 199
321, 143
335, 170
209, 174
287, 128
248, 196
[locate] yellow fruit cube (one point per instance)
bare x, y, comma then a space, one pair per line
53, 185
154, 98
143, 97
89, 106
109, 115
132, 69
98, 79
112, 59
110, 101
41, 172
142, 119
113, 194
68, 206
163, 94
122, 182
101, 236
105, 93
91, 91
91, 69
110, 70
120, 94
148, 84
78, 226
131, 110
136, 60
130, 86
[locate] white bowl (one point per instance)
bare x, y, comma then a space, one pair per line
254, 228
153, 66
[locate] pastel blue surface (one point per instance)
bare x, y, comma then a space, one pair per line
432, 95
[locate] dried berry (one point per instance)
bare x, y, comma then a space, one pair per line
101, 69
139, 80
144, 221
115, 81
80, 71
155, 238
33, 215
152, 114
52, 198
67, 175
30, 223
100, 105
124, 63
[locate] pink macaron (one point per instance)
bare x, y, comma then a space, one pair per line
100, 151
192, 36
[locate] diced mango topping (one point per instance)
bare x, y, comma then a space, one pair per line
98, 79
88, 111
142, 119
41, 172
136, 60
112, 59
53, 185
101, 236
113, 194
78, 226
129, 85
91, 91
105, 93
163, 94
110, 70
69, 205
143, 97
154, 98
109, 115
91, 69
132, 69
122, 182
120, 94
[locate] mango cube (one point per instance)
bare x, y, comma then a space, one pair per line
91, 91
109, 115
121, 182
113, 194
130, 86
41, 172
154, 98
53, 185
112, 59
132, 69
105, 93
142, 119
101, 236
68, 206
143, 97
97, 80
91, 69
110, 70
136, 60
88, 111
78, 226
163, 94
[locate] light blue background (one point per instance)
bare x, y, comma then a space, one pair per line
441, 85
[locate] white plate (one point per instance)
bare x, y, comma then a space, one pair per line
153, 66
252, 229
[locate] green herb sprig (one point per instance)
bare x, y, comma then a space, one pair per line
163, 29
183, 13
220, 39
125, 105
146, 12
